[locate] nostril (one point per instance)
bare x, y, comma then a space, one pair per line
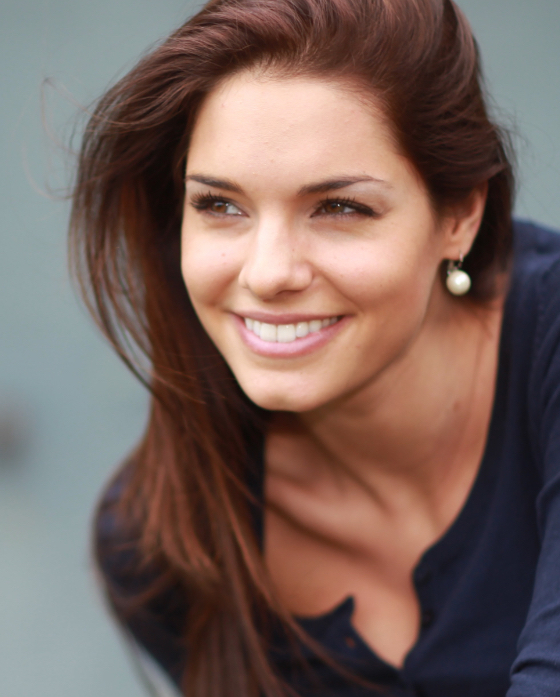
269, 279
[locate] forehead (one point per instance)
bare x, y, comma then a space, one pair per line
253, 123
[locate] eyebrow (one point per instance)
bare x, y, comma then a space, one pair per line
225, 184
316, 188
334, 184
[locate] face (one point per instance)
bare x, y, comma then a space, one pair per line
310, 250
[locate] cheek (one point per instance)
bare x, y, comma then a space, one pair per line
206, 267
387, 273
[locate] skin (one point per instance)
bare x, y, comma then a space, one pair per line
379, 430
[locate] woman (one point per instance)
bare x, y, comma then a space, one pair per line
293, 221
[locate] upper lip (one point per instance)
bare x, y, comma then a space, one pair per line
284, 317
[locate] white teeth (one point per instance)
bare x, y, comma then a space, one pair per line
268, 332
315, 325
302, 329
286, 333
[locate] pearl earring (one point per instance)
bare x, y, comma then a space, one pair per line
458, 282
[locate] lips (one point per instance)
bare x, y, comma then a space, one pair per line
287, 333
285, 336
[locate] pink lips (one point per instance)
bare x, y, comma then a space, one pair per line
294, 349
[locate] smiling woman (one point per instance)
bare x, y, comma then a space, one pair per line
300, 212
359, 248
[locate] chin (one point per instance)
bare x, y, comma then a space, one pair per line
283, 399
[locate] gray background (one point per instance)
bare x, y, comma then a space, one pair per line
76, 410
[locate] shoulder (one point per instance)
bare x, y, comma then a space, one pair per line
533, 239
117, 548
536, 256
144, 595
535, 286
127, 571
535, 334
116, 539
533, 302
537, 274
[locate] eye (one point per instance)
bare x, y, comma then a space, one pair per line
215, 205
342, 207
336, 207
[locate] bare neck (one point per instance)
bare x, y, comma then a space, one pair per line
423, 423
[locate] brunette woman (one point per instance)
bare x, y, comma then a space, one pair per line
293, 221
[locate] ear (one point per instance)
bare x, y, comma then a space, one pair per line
462, 223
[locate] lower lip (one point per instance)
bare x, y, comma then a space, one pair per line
300, 347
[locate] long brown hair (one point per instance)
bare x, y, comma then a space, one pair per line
187, 493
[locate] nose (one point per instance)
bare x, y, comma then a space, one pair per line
275, 262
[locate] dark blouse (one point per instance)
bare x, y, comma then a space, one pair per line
489, 589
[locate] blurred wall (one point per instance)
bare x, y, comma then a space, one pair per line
73, 410
68, 410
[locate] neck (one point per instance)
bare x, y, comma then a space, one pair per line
422, 422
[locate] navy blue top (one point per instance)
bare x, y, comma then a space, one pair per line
489, 589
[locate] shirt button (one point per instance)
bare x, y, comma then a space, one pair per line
427, 618
350, 642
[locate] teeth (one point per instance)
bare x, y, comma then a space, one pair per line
315, 325
286, 333
268, 332
302, 329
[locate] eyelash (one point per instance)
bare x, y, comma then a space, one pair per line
351, 203
202, 202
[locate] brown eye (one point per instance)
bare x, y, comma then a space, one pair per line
215, 206
343, 207
224, 208
220, 207
336, 208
